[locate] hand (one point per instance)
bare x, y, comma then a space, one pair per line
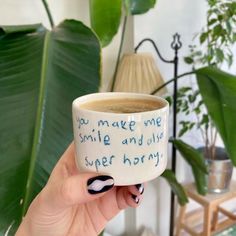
74, 203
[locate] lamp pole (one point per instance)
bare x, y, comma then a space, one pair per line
175, 45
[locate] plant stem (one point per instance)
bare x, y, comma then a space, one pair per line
201, 130
208, 41
207, 144
213, 140
48, 13
119, 53
214, 143
38, 127
170, 81
197, 115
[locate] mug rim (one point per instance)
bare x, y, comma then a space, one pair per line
103, 96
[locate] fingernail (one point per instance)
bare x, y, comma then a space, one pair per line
135, 198
140, 188
100, 184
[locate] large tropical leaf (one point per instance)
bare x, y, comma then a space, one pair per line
20, 62
41, 72
105, 15
135, 7
196, 161
218, 90
7, 29
105, 18
176, 187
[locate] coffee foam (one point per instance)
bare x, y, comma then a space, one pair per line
122, 105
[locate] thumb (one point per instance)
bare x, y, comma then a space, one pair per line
77, 189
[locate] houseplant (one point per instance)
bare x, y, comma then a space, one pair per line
41, 73
37, 89
217, 37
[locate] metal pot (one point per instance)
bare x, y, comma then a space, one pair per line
220, 171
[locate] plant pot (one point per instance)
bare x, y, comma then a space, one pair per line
220, 171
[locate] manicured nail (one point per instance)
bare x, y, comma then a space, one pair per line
100, 184
140, 188
135, 198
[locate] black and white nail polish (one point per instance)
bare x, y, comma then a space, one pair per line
140, 188
135, 198
100, 184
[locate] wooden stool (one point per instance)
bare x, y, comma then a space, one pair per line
211, 207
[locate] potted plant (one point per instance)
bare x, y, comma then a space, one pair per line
217, 37
219, 164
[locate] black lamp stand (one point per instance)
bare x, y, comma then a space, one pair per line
175, 45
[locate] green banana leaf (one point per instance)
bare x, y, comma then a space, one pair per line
105, 15
135, 7
197, 163
7, 29
175, 186
41, 72
218, 90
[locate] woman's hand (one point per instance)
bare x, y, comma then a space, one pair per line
74, 203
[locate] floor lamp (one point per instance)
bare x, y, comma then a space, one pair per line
175, 45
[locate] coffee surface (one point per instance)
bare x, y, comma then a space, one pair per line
123, 105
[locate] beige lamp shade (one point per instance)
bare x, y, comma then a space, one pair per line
137, 72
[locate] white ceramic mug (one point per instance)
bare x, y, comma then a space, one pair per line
132, 148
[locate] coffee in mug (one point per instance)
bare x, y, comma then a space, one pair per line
121, 105
123, 135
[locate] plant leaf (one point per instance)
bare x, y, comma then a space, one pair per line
217, 29
6, 29
183, 130
40, 75
196, 161
203, 37
218, 90
212, 21
105, 16
192, 155
135, 7
188, 60
20, 60
200, 180
169, 99
220, 55
176, 187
